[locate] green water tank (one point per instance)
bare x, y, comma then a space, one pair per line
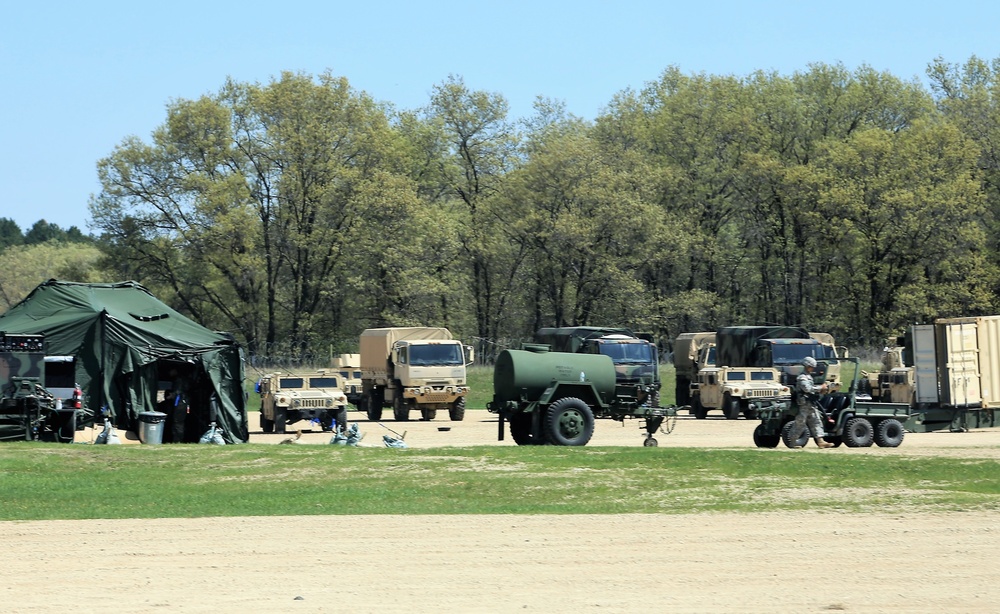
534, 370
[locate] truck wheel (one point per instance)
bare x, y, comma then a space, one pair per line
280, 419
889, 433
400, 409
730, 407
683, 391
520, 430
427, 414
457, 411
340, 417
786, 436
374, 414
697, 408
858, 433
569, 422
373, 407
748, 412
763, 440
266, 426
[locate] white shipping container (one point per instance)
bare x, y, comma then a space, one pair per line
958, 362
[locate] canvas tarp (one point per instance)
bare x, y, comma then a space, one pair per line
130, 347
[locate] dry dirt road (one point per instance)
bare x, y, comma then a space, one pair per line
900, 562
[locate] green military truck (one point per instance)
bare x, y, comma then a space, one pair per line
287, 398
28, 411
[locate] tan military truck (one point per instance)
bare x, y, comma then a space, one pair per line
287, 398
348, 366
416, 368
687, 361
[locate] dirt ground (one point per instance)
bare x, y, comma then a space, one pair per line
628, 563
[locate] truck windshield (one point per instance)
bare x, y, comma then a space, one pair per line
436, 354
291, 382
627, 353
788, 354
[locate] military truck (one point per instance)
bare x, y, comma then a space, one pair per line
554, 397
634, 354
753, 364
416, 368
28, 411
287, 398
348, 366
691, 353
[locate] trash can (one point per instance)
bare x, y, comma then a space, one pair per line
151, 427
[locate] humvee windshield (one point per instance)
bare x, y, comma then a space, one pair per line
291, 382
788, 354
323, 382
437, 355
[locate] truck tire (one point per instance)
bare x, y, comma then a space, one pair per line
374, 407
340, 417
428, 414
266, 426
858, 433
683, 391
457, 411
750, 413
786, 436
889, 433
569, 422
400, 409
763, 440
730, 407
280, 420
520, 430
699, 411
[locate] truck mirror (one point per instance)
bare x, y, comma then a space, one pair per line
470, 355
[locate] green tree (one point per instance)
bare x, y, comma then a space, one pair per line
23, 267
10, 233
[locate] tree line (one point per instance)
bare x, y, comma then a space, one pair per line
298, 212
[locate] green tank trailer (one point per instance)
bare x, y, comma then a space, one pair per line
553, 398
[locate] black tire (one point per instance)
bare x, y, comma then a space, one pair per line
697, 408
786, 436
836, 441
569, 422
280, 420
340, 417
750, 413
650, 442
457, 410
428, 414
730, 407
520, 430
400, 409
889, 433
858, 433
266, 426
762, 440
374, 413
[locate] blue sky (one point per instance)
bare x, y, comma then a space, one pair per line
80, 77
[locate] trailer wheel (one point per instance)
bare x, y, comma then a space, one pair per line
889, 433
858, 433
457, 410
786, 436
763, 440
697, 408
520, 430
650, 442
569, 422
730, 407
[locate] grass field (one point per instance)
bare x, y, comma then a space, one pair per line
52, 481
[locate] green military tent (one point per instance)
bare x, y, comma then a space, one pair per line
130, 347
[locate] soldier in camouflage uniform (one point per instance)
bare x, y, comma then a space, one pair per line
808, 417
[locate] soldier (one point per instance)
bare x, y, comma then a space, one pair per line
806, 393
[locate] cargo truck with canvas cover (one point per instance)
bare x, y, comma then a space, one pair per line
416, 368
287, 398
634, 355
689, 358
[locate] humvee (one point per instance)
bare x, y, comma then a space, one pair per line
286, 398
